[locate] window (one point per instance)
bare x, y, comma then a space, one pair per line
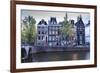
50, 44
42, 32
53, 38
80, 28
38, 37
56, 32
81, 32
50, 38
49, 27
38, 32
57, 37
56, 28
42, 27
45, 32
81, 39
42, 37
53, 32
50, 32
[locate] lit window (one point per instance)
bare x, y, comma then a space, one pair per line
50, 32
80, 39
53, 32
50, 39
50, 44
53, 38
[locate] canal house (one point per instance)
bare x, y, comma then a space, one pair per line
54, 33
80, 29
42, 33
49, 34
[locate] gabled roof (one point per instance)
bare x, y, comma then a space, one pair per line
53, 19
80, 23
42, 22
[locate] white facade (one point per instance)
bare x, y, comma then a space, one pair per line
87, 33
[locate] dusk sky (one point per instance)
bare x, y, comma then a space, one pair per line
38, 15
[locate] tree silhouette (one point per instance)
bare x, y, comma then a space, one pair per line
67, 29
28, 30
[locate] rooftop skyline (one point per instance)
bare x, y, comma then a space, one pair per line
46, 15
39, 15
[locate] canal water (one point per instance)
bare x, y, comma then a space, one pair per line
58, 56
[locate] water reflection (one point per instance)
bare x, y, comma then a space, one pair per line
58, 56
